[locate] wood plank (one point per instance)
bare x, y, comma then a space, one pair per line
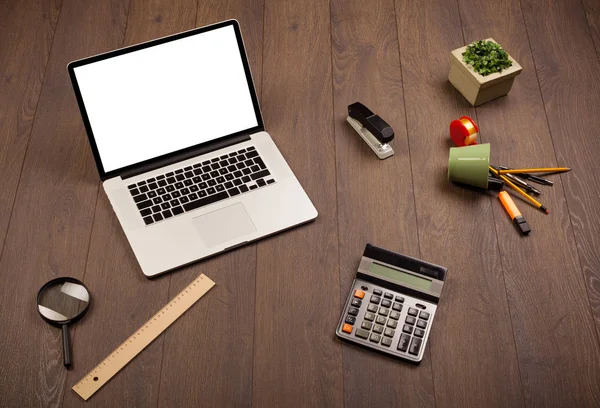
28, 26
52, 218
472, 347
208, 358
517, 128
124, 298
592, 11
571, 94
366, 68
297, 360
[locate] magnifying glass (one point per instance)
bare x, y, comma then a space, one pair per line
60, 302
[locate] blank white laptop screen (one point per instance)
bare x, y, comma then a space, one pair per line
165, 98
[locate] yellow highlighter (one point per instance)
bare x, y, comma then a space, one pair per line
514, 213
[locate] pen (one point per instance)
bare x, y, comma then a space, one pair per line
523, 184
531, 177
514, 213
518, 190
537, 170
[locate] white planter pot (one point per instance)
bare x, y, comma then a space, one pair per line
476, 88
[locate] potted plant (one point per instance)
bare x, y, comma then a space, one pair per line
482, 71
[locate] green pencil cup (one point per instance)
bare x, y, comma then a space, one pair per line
469, 165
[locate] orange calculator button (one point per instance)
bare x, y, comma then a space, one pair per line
347, 328
359, 294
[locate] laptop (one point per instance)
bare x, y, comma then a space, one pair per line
179, 141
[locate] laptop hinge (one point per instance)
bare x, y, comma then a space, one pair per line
184, 156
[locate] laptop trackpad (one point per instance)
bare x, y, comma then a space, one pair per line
224, 224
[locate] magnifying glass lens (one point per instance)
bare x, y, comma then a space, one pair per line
61, 302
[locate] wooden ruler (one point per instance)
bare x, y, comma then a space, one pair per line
127, 351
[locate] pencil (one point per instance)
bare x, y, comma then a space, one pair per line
540, 170
523, 184
518, 190
531, 177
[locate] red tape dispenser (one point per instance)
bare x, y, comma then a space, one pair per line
464, 131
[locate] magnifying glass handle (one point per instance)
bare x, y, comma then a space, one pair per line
66, 346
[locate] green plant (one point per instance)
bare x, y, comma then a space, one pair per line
486, 57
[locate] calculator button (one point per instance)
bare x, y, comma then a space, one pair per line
375, 299
410, 320
399, 299
415, 346
395, 315
392, 323
403, 342
356, 302
407, 329
375, 337
363, 334
424, 315
366, 325
350, 319
412, 311
388, 295
378, 292
369, 316
372, 308
347, 328
386, 341
397, 307
386, 303
381, 320
353, 311
389, 332
378, 329
419, 332
421, 324
359, 294
383, 311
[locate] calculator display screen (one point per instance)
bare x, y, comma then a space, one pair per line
399, 276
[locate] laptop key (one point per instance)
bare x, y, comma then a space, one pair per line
179, 185
161, 191
240, 165
246, 171
237, 182
157, 200
194, 188
148, 220
205, 176
228, 185
270, 181
214, 174
197, 172
153, 186
255, 168
171, 180
131, 186
189, 174
169, 174
260, 163
233, 192
178, 171
180, 177
246, 179
220, 187
261, 182
237, 174
215, 166
193, 196
144, 204
166, 197
232, 160
202, 194
243, 188
187, 182
249, 163
205, 201
185, 191
197, 179
158, 217
197, 165
229, 177
252, 154
220, 179
145, 212
167, 214
140, 198
260, 174
211, 182
253, 187
210, 190
176, 194
224, 163
134, 191
156, 208
177, 210
144, 189
251, 148
202, 185
223, 171
165, 206
206, 169
152, 194
174, 203
241, 157
170, 188
162, 183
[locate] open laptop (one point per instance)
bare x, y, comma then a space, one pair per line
179, 141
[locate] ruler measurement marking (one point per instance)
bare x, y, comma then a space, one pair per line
141, 338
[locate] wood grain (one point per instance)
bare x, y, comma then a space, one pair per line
208, 358
516, 127
472, 347
124, 298
592, 11
25, 26
297, 359
366, 68
52, 218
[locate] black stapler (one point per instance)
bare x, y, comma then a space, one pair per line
372, 128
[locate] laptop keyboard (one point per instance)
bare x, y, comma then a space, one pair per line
192, 187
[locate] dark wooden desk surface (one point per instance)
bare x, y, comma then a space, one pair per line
519, 319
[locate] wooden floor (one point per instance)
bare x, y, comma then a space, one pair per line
519, 319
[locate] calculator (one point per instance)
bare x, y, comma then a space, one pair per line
392, 303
